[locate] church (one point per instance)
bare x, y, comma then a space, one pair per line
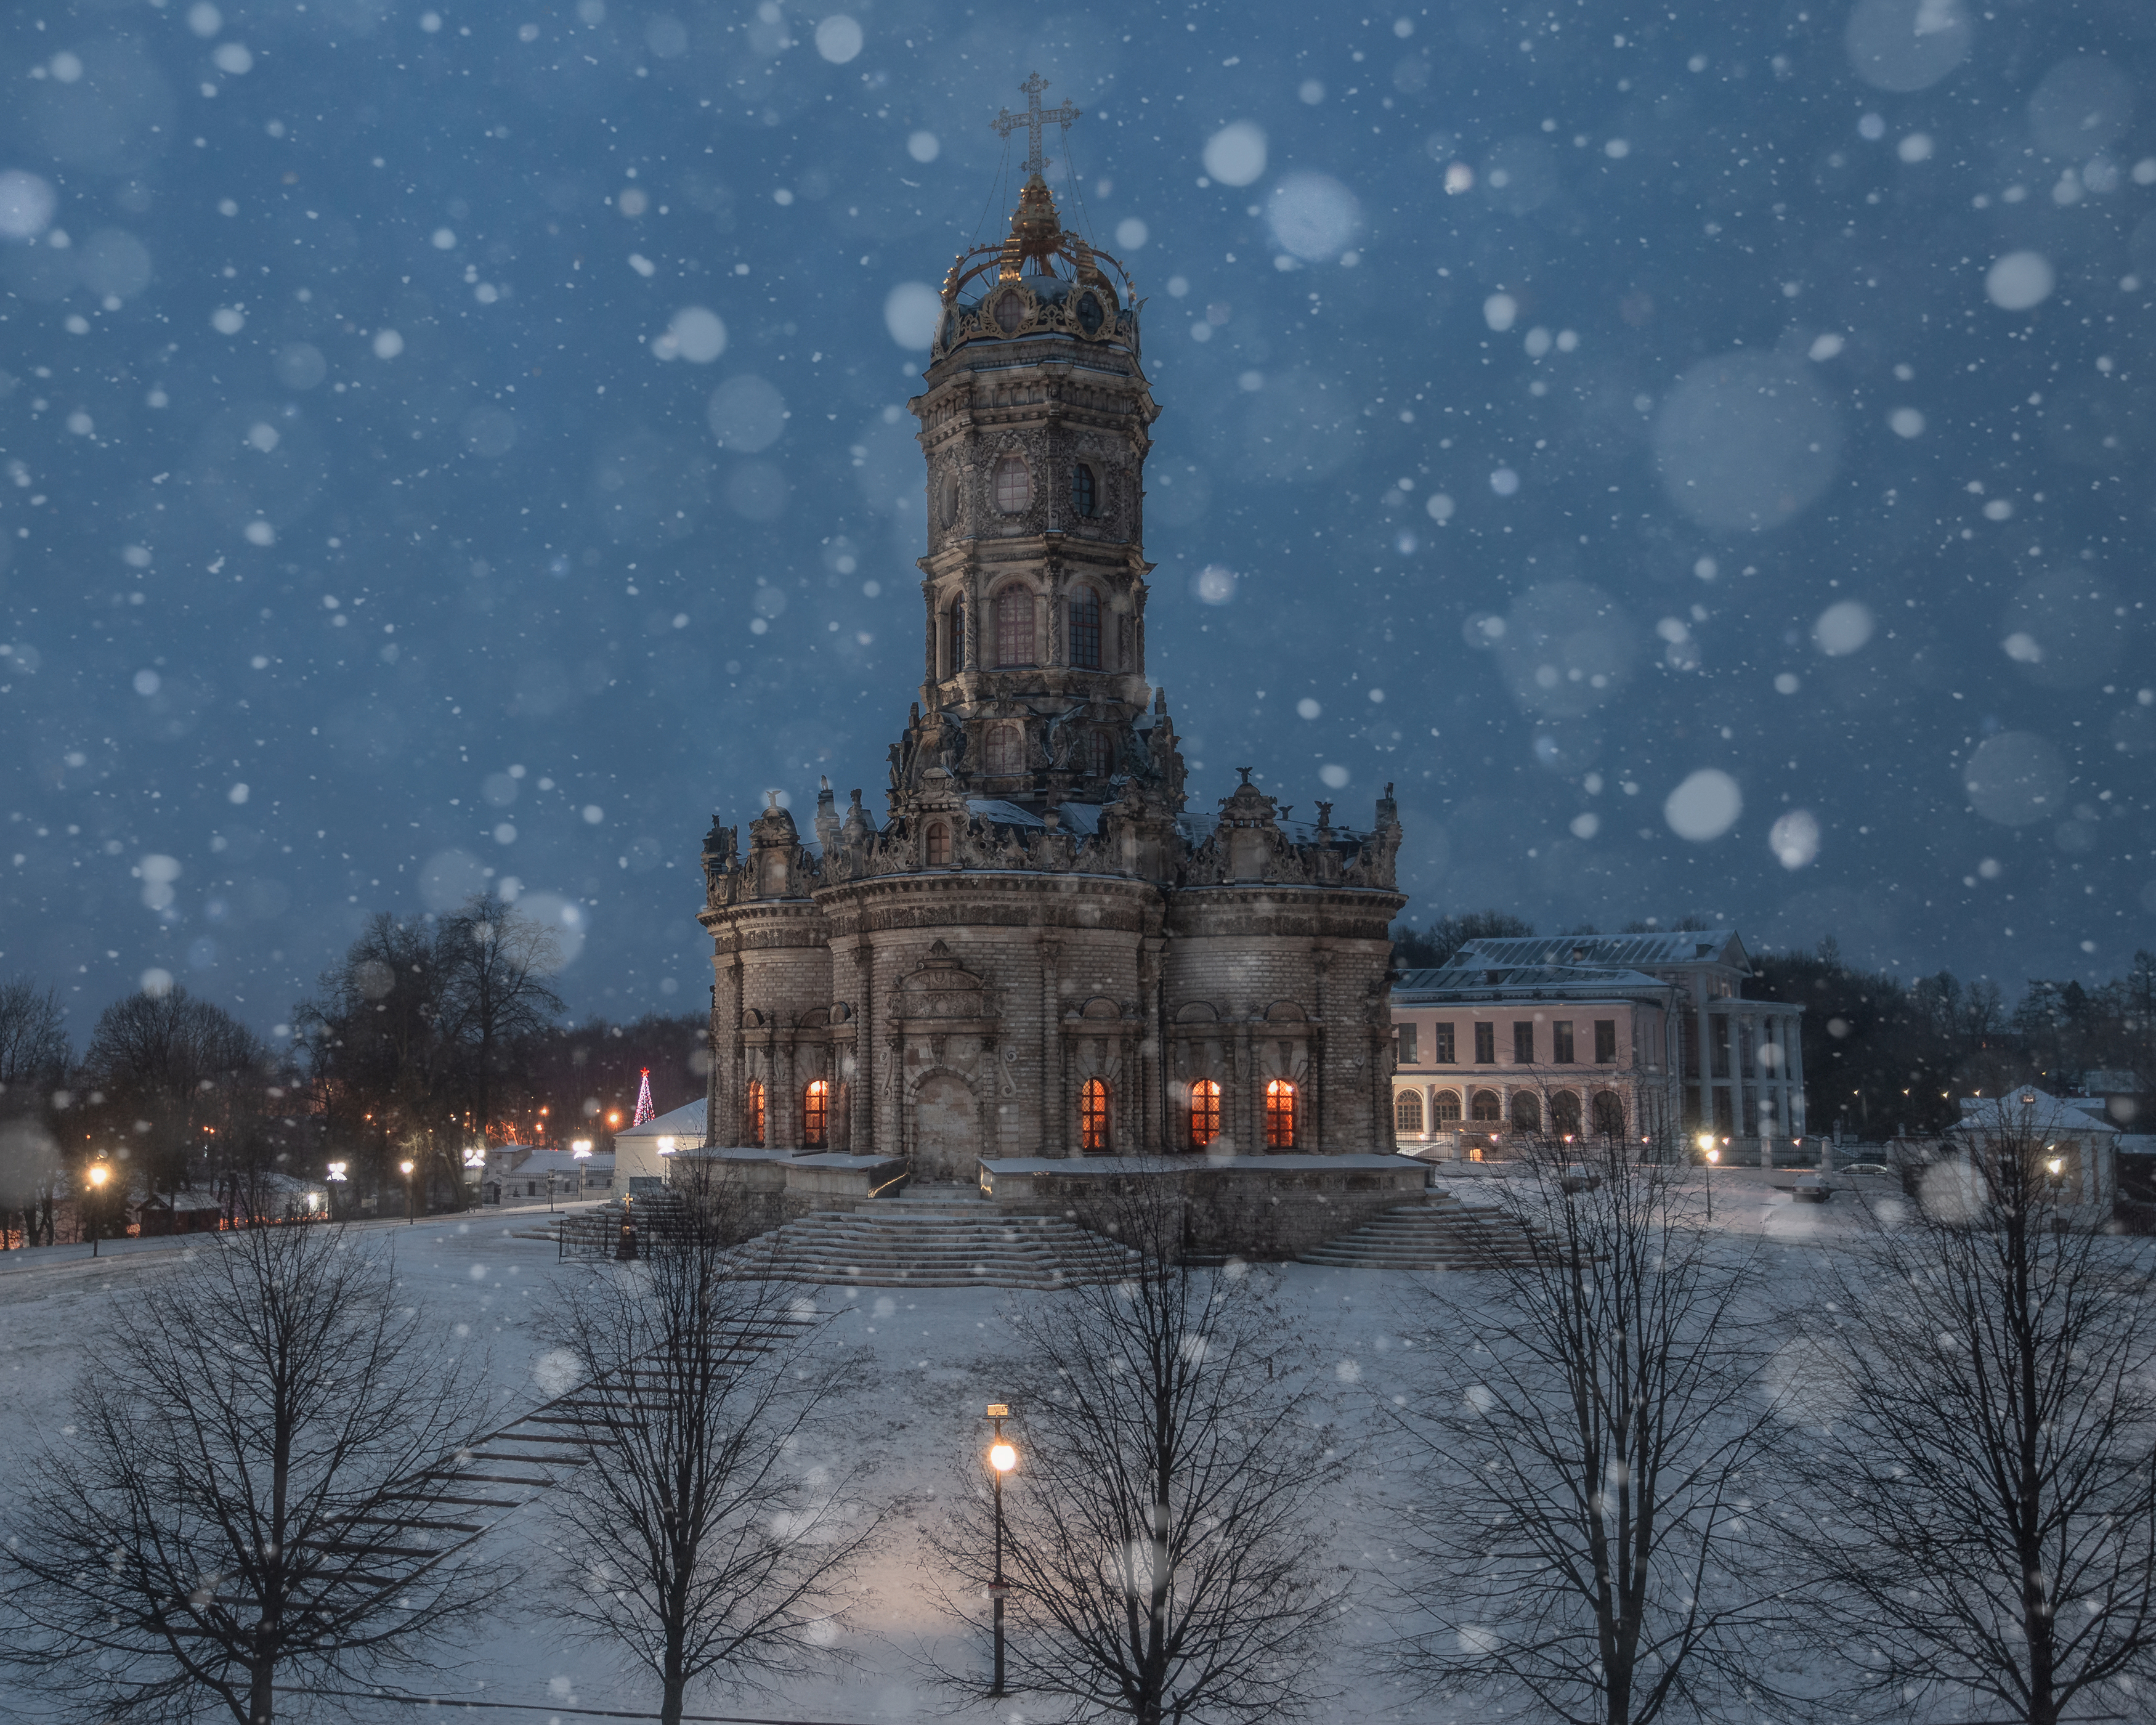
1038, 950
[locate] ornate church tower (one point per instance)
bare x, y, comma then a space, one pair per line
1038, 952
1035, 426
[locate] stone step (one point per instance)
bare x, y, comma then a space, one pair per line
1433, 1233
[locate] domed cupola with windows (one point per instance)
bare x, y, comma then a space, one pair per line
1034, 425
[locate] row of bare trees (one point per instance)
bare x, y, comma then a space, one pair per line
1639, 1489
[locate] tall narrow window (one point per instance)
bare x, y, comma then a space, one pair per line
1280, 1115
754, 1127
1014, 628
1485, 1045
1404, 1041
1442, 1054
1526, 1110
1083, 494
1561, 1042
1205, 1112
1609, 1114
1605, 1042
816, 1115
957, 636
1407, 1111
1086, 629
1523, 1042
1099, 752
1013, 485
939, 845
1006, 750
1093, 1137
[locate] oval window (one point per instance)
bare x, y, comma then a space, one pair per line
1010, 312
1089, 314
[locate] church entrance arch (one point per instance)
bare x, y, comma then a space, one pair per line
947, 1130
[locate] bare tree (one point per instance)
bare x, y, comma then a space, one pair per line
1161, 1522
496, 962
703, 1544
1983, 1515
1588, 1425
29, 1169
241, 1496
166, 1066
33, 1062
33, 1044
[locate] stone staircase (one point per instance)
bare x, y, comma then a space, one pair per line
515, 1465
915, 1243
1434, 1233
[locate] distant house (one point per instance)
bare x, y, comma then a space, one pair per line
1625, 1037
640, 1152
2074, 1135
517, 1173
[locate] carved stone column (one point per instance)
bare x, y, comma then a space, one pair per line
862, 1097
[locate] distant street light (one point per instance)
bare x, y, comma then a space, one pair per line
99, 1174
407, 1166
1713, 1156
1002, 1459
333, 1179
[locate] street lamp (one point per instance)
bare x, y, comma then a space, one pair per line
333, 1179
1713, 1156
99, 1174
1002, 1459
407, 1166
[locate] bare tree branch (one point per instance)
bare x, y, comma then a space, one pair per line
1982, 1523
1589, 1427
241, 1500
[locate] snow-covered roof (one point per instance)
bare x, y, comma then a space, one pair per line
686, 1122
2041, 1108
1641, 952
1524, 982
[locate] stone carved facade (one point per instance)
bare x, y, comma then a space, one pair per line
1037, 912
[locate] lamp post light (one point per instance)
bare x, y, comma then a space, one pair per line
1002, 1457
333, 1179
407, 1166
1713, 1156
99, 1174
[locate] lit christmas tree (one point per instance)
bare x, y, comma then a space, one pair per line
645, 1110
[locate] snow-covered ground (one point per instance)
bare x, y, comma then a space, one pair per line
934, 1359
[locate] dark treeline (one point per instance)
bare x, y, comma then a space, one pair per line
1883, 1055
430, 1035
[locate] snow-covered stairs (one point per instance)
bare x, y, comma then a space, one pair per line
1435, 1233
910, 1243
521, 1462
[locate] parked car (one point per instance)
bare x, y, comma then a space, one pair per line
1577, 1178
1865, 1168
1810, 1188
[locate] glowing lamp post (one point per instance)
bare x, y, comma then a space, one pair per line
99, 1174
1002, 1457
1713, 1155
407, 1165
333, 1179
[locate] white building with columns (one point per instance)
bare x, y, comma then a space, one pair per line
1637, 1036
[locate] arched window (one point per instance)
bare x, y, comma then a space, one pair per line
1526, 1110
1013, 485
1099, 752
754, 1127
1086, 629
1407, 1111
1084, 496
1609, 1114
1564, 1113
1093, 1137
1488, 1107
1445, 1108
1205, 1112
1006, 750
957, 636
939, 845
816, 1115
1280, 1115
1014, 628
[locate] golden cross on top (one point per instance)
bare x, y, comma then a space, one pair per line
1034, 117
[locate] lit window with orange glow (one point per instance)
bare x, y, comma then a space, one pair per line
816, 1114
1204, 1113
752, 1129
1093, 1116
1280, 1115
